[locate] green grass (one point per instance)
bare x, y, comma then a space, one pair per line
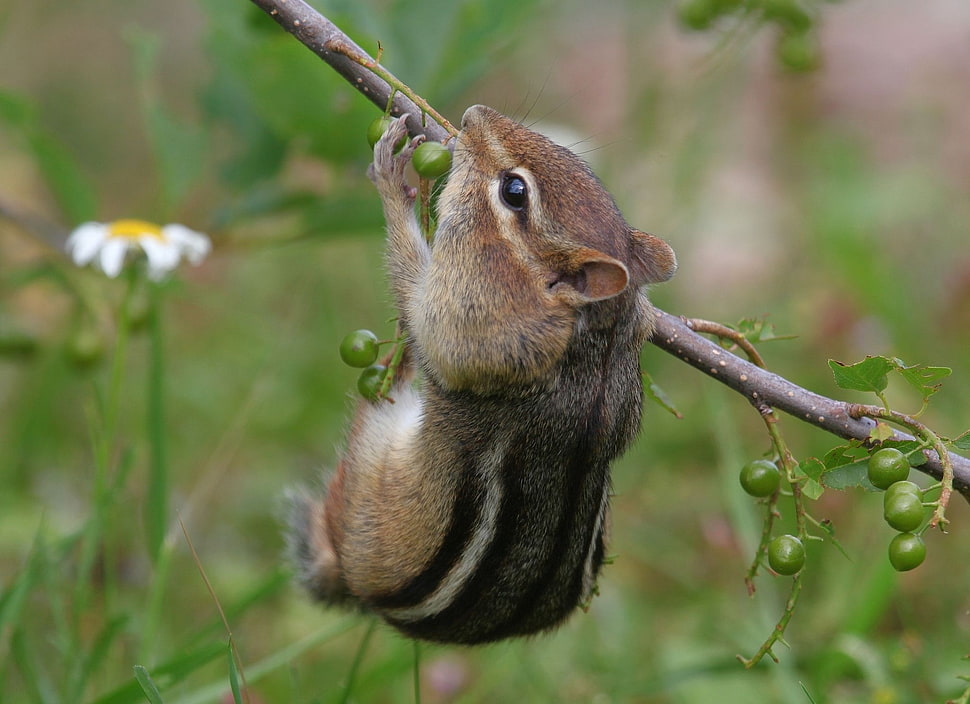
235, 391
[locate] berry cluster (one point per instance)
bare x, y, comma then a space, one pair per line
797, 44
359, 349
431, 159
761, 479
903, 510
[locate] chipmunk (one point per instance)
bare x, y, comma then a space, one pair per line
473, 507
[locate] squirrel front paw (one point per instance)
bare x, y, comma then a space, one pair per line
388, 169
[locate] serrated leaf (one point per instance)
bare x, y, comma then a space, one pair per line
811, 468
842, 455
922, 377
659, 396
829, 529
880, 432
759, 330
871, 374
962, 442
811, 489
848, 476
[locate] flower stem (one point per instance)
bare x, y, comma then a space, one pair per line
156, 501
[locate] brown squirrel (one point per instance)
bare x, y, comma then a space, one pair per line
473, 507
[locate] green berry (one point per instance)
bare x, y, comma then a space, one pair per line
786, 554
370, 380
798, 51
359, 349
886, 467
377, 128
902, 488
760, 478
906, 552
789, 14
697, 14
431, 159
903, 511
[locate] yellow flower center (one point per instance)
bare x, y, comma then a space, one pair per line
133, 229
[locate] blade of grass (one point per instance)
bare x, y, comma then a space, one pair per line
234, 676
147, 685
169, 673
89, 663
358, 659
281, 658
40, 689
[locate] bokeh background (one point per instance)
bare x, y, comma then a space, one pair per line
835, 201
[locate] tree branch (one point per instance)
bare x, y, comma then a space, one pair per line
324, 38
765, 390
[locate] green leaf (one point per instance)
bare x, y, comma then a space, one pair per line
811, 468
759, 330
659, 396
811, 489
922, 377
147, 686
842, 455
868, 375
848, 476
962, 442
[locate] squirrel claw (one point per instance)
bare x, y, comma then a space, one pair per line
387, 171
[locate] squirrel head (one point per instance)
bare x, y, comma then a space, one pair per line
561, 214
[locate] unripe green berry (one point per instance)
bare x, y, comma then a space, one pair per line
370, 380
760, 478
886, 467
359, 349
697, 14
798, 51
431, 159
906, 552
377, 128
786, 554
904, 487
903, 511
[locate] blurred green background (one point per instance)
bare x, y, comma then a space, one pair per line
836, 201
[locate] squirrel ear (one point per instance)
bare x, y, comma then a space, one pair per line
653, 259
593, 275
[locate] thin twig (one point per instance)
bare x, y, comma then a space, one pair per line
325, 39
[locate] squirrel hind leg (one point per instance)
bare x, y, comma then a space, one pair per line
311, 552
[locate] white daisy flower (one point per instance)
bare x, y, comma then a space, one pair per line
107, 244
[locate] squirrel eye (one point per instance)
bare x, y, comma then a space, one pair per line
513, 191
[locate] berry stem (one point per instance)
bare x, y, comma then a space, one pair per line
929, 439
339, 46
392, 366
709, 327
790, 465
